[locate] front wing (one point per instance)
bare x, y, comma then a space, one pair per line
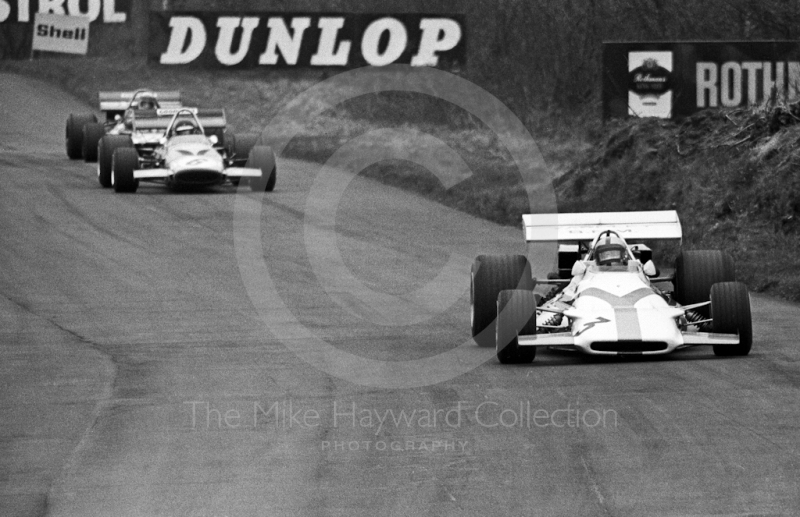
231, 172
566, 339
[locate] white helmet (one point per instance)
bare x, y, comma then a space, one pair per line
185, 127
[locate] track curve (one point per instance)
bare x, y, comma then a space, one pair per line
139, 378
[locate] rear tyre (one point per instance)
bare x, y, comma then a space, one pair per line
229, 142
262, 157
490, 275
516, 315
730, 310
124, 161
92, 133
242, 145
105, 154
696, 271
74, 134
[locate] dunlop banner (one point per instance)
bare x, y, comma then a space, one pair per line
673, 79
218, 40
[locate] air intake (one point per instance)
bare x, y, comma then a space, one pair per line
628, 347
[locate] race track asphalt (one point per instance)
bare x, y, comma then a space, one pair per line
221, 353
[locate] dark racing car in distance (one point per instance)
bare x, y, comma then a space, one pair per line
83, 132
605, 298
188, 153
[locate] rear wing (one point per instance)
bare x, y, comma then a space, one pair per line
117, 102
576, 228
145, 120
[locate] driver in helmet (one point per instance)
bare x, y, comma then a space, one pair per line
147, 102
186, 127
610, 250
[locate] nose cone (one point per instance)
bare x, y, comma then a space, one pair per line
196, 162
198, 170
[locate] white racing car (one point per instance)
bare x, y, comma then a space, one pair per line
604, 300
185, 156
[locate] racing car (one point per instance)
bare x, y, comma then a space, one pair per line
84, 131
605, 297
185, 155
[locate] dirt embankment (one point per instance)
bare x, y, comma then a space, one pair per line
732, 175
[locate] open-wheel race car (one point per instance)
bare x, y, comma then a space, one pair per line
604, 299
189, 154
84, 131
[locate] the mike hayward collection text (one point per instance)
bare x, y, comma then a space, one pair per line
289, 414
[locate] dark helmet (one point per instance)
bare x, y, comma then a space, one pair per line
610, 250
185, 127
147, 102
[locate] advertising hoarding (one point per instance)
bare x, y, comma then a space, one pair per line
673, 79
220, 40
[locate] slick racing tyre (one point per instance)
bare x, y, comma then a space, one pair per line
124, 161
74, 134
490, 275
242, 145
105, 154
262, 157
696, 271
516, 315
92, 133
228, 141
730, 311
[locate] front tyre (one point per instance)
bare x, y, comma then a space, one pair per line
516, 316
105, 153
490, 275
261, 157
730, 311
74, 134
124, 161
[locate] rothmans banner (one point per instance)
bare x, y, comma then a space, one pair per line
675, 79
220, 40
57, 33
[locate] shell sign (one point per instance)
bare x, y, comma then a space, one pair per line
56, 33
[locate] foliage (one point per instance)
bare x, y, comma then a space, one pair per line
731, 175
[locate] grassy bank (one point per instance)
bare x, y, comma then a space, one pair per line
731, 176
